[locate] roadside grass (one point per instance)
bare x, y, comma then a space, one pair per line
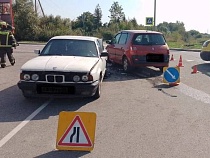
184, 46
192, 44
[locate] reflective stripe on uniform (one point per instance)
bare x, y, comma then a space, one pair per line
6, 44
3, 23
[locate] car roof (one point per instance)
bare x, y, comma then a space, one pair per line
88, 38
140, 31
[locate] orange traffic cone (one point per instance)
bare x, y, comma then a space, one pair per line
195, 70
172, 58
180, 62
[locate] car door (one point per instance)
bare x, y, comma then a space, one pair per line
120, 47
102, 60
111, 48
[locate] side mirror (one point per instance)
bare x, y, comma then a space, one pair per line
109, 42
37, 51
104, 54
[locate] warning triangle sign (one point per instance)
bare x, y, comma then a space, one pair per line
75, 135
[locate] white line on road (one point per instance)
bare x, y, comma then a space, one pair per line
189, 60
23, 123
194, 93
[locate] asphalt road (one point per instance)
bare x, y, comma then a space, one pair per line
137, 115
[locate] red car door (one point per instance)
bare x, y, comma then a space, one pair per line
112, 48
120, 48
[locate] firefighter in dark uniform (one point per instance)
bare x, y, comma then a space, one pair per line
7, 42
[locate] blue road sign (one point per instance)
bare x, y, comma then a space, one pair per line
149, 20
171, 75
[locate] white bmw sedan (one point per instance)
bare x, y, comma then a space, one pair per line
68, 66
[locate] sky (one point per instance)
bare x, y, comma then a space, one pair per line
193, 13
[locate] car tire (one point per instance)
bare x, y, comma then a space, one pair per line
27, 96
161, 69
126, 65
98, 91
205, 56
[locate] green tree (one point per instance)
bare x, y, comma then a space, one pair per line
195, 34
25, 19
50, 26
134, 22
85, 22
117, 14
97, 17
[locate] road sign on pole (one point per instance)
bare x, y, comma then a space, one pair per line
149, 20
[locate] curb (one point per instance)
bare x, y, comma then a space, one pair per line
181, 49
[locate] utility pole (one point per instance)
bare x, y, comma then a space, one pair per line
35, 7
40, 7
83, 22
154, 14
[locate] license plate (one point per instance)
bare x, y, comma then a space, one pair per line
54, 90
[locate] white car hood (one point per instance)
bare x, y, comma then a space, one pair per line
60, 63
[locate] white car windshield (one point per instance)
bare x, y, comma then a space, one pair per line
70, 47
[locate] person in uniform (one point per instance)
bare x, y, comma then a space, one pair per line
7, 42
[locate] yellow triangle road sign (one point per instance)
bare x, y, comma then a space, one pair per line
75, 135
76, 131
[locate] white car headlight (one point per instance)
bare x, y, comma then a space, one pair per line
35, 77
85, 78
76, 78
26, 77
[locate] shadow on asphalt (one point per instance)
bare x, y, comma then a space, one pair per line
14, 107
115, 73
65, 154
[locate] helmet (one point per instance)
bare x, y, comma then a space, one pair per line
3, 24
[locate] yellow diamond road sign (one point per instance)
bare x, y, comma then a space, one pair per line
76, 131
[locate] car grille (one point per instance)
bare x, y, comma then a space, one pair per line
55, 78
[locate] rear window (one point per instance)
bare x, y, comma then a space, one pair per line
206, 43
148, 39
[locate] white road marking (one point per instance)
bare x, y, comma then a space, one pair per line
22, 124
194, 93
189, 60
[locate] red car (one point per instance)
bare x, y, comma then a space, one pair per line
136, 48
